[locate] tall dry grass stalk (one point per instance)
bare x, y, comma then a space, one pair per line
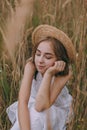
13, 30
15, 25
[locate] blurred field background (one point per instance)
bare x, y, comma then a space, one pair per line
18, 18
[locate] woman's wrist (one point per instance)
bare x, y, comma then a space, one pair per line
48, 74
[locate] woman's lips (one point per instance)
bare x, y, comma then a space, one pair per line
40, 67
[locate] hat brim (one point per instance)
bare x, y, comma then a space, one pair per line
43, 31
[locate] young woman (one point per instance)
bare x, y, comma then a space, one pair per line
43, 96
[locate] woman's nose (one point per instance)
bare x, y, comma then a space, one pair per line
41, 59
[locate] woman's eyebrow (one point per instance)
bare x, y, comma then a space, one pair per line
47, 53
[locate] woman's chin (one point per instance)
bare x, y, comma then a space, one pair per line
41, 71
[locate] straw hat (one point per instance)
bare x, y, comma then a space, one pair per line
43, 31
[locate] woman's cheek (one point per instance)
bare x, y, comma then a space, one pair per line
49, 65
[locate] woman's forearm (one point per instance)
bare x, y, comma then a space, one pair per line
24, 116
43, 95
24, 94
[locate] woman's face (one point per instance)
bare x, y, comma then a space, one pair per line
44, 56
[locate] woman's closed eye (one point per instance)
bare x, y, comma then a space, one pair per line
48, 57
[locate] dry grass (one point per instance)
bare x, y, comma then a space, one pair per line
17, 21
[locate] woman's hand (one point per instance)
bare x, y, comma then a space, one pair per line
57, 67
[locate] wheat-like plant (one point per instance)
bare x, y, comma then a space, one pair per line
18, 18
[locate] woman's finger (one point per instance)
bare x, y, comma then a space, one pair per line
61, 65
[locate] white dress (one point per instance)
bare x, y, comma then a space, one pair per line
59, 111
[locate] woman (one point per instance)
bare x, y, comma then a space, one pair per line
43, 96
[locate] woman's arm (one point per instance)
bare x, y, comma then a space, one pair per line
48, 93
58, 85
24, 94
43, 95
